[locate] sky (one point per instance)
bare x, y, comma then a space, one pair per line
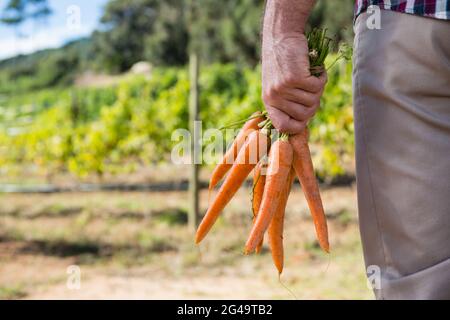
71, 19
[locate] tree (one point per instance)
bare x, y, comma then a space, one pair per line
158, 31
239, 30
194, 110
125, 24
336, 16
17, 11
168, 43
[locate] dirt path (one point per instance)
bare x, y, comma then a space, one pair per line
135, 287
136, 246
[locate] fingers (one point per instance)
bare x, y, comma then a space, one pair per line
294, 110
311, 84
283, 123
323, 78
302, 97
297, 104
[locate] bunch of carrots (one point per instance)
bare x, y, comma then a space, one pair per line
284, 159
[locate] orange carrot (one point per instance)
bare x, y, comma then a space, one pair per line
259, 180
256, 146
305, 171
227, 161
280, 162
276, 226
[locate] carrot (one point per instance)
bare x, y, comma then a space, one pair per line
305, 171
227, 161
257, 143
280, 162
276, 226
259, 180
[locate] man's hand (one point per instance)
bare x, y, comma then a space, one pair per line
290, 93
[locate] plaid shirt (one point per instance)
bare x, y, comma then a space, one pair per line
439, 9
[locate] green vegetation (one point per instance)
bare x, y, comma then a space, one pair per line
137, 244
12, 293
93, 131
17, 11
44, 69
154, 31
51, 126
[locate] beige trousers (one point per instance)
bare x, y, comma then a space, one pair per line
401, 83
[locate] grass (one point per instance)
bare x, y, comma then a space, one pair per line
138, 245
12, 293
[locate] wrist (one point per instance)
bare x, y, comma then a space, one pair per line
286, 17
282, 42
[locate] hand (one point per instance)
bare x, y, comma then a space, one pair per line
290, 93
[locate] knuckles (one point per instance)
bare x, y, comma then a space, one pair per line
282, 126
285, 127
276, 89
311, 113
291, 80
271, 94
316, 103
267, 97
304, 114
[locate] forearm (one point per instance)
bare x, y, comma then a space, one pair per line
284, 17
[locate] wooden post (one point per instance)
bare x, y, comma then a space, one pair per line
74, 107
195, 146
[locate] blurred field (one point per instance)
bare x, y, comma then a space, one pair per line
102, 110
136, 245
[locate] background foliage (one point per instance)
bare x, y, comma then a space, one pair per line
117, 129
75, 114
51, 125
157, 31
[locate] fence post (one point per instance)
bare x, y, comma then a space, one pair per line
195, 147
